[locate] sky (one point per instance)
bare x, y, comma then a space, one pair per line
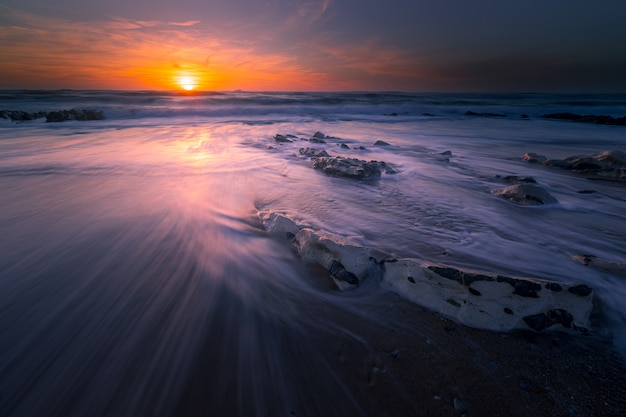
315, 45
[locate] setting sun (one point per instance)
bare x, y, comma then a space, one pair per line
187, 82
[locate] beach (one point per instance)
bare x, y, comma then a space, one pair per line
240, 253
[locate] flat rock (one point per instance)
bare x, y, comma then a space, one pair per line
490, 301
476, 299
526, 194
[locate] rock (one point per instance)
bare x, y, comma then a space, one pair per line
313, 152
606, 164
613, 267
381, 143
74, 114
471, 113
317, 140
476, 299
319, 135
344, 146
590, 118
281, 138
514, 179
526, 194
346, 261
278, 224
351, 167
503, 303
343, 278
534, 158
446, 153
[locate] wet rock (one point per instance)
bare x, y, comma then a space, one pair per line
590, 118
381, 143
586, 191
313, 152
471, 113
319, 135
344, 146
526, 194
351, 167
339, 273
475, 299
317, 140
543, 321
483, 300
74, 114
282, 139
534, 158
581, 290
514, 179
613, 267
606, 164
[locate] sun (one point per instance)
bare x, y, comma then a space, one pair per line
187, 82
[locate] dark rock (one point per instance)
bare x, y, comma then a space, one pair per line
508, 310
553, 286
473, 291
521, 287
317, 140
524, 116
559, 163
411, 280
313, 152
446, 153
351, 167
471, 113
468, 279
527, 194
74, 114
585, 191
590, 118
281, 139
542, 321
581, 290
319, 135
381, 143
519, 180
344, 146
446, 272
428, 114
527, 289
338, 272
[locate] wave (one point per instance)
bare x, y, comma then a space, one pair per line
34, 104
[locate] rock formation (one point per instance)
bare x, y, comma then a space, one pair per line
527, 194
473, 298
606, 164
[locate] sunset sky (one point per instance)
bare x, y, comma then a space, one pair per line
324, 45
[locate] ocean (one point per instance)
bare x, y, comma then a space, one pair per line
131, 246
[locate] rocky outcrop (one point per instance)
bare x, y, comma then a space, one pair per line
476, 299
589, 118
351, 167
606, 164
488, 301
526, 194
313, 152
53, 116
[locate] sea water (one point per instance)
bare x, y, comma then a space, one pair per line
133, 265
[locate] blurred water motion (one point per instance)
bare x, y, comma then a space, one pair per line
150, 289
135, 279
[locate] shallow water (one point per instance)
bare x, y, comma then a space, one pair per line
131, 254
